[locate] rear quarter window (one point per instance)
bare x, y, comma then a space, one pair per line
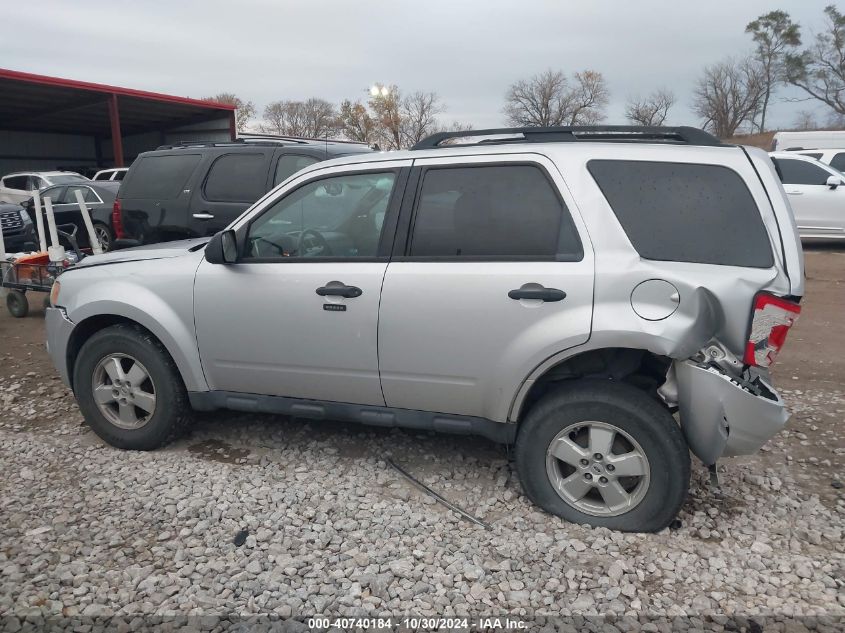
159, 177
685, 212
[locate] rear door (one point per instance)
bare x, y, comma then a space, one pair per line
819, 210
232, 183
495, 275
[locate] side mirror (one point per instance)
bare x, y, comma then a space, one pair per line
223, 248
833, 182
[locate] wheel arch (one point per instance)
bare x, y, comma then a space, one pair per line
641, 368
88, 327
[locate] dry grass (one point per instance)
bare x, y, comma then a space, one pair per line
763, 141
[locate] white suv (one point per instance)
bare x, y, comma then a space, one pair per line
18, 187
816, 193
563, 289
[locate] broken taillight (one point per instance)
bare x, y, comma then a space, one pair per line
770, 322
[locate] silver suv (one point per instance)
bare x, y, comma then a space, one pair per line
566, 290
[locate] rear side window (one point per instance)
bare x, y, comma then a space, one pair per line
236, 178
685, 212
838, 161
289, 164
800, 172
499, 211
160, 177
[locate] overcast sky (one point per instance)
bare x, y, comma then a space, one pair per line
468, 52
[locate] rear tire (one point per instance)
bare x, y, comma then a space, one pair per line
642, 477
17, 304
129, 390
104, 235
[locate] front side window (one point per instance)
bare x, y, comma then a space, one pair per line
492, 212
838, 161
289, 164
685, 212
341, 216
62, 179
800, 172
236, 178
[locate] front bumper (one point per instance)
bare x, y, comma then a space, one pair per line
59, 328
721, 416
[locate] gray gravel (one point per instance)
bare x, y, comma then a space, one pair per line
90, 530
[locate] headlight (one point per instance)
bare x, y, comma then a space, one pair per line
54, 293
24, 215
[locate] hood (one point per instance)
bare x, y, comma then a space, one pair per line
149, 251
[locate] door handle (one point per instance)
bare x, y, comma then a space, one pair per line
203, 216
541, 293
795, 193
339, 289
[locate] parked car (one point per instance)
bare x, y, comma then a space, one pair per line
816, 139
833, 157
18, 232
549, 287
815, 193
18, 187
99, 198
116, 173
196, 189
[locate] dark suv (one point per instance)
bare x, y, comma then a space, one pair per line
197, 189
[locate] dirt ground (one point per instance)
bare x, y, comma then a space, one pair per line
809, 374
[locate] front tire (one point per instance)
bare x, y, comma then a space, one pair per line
129, 389
605, 454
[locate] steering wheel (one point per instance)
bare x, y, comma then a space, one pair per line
256, 248
312, 239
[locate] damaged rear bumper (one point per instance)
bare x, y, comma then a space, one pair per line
723, 416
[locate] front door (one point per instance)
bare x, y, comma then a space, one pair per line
819, 209
494, 279
297, 316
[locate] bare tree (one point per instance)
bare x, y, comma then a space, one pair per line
820, 70
244, 110
775, 35
550, 98
387, 112
728, 95
650, 110
356, 123
419, 116
314, 118
805, 120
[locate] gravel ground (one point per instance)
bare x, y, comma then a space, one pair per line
88, 531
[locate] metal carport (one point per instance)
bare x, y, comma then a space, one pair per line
50, 122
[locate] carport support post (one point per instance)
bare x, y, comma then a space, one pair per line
116, 140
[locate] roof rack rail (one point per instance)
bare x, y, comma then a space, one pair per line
258, 136
237, 143
682, 135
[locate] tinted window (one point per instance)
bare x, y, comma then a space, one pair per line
119, 175
341, 216
800, 172
508, 211
838, 161
16, 182
684, 212
289, 164
160, 177
236, 178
